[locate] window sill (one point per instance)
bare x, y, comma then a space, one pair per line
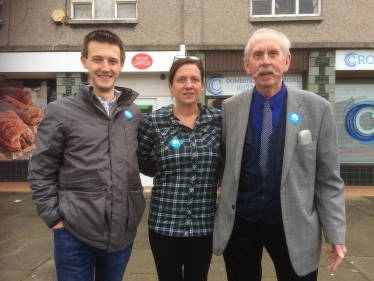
98, 21
285, 18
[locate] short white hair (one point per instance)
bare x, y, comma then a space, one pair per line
286, 41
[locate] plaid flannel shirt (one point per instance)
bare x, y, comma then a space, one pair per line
183, 198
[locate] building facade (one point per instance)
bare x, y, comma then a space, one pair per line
332, 55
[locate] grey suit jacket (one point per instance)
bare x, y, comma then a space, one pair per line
312, 192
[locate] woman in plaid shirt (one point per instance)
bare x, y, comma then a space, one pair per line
186, 140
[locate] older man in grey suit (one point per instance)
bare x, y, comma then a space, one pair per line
281, 185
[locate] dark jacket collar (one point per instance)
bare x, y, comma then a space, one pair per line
127, 95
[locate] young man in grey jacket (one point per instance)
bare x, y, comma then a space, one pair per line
84, 174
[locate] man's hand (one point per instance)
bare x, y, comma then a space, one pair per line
60, 224
336, 255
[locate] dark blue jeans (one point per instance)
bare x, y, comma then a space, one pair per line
76, 261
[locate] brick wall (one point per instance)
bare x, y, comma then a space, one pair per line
68, 83
321, 78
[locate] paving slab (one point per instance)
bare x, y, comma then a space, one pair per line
364, 265
46, 271
26, 245
26, 254
342, 274
9, 275
365, 204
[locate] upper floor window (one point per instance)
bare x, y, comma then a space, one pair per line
285, 8
103, 10
1, 12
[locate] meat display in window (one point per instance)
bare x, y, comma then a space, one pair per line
16, 93
14, 134
30, 115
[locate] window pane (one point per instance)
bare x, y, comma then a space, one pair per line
354, 107
82, 11
126, 10
284, 7
261, 7
307, 7
104, 9
216, 103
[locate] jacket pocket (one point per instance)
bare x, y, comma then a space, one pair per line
306, 154
306, 159
211, 136
136, 206
84, 211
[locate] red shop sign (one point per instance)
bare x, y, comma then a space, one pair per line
142, 61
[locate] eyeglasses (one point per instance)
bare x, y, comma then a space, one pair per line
185, 57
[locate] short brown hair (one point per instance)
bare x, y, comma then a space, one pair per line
104, 36
180, 62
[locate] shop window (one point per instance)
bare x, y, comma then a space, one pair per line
30, 94
285, 9
94, 11
215, 102
354, 114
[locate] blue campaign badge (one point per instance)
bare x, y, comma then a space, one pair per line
294, 117
128, 114
176, 143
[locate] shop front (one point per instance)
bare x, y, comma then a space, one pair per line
354, 113
31, 80
222, 86
225, 74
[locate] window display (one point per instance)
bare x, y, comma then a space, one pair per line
354, 113
21, 109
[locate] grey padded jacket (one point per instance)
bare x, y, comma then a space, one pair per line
84, 168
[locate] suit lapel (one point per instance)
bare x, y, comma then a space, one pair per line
243, 107
294, 105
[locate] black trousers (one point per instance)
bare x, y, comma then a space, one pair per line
181, 258
243, 253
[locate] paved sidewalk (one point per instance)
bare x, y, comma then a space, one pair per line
26, 245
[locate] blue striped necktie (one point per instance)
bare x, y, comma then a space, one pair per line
267, 129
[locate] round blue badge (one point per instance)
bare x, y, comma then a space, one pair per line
176, 143
295, 117
128, 114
